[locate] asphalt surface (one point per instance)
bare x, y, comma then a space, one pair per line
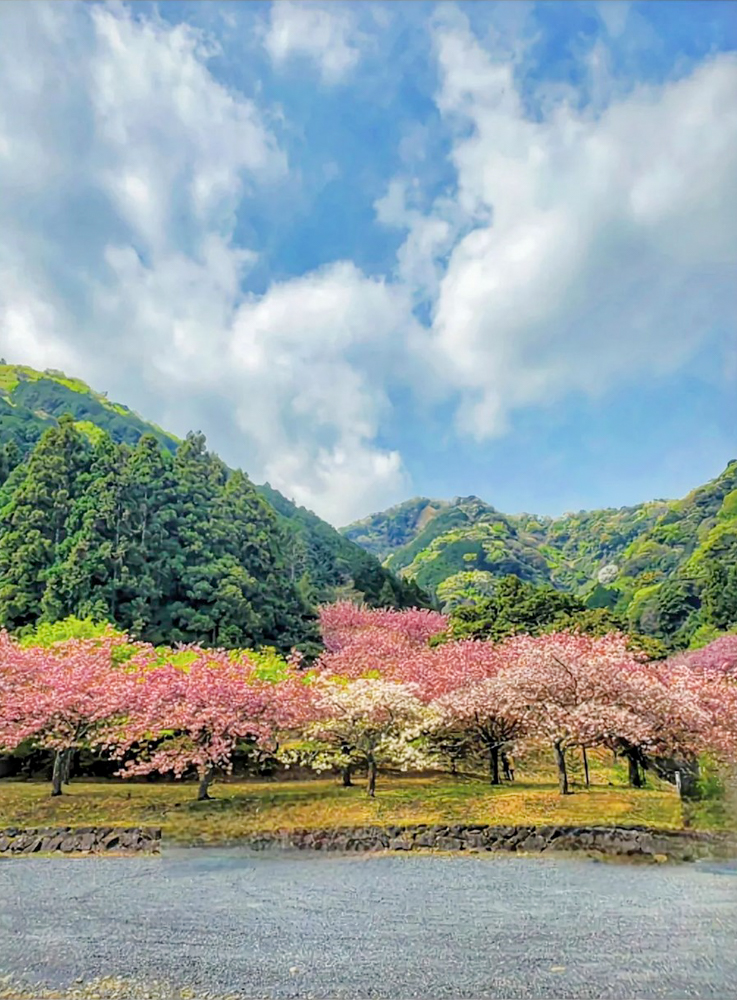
289, 925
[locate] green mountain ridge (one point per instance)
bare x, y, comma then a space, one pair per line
321, 562
670, 565
32, 401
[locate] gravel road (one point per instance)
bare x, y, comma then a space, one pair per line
289, 925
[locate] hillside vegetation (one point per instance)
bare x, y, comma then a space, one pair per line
81, 479
32, 401
669, 566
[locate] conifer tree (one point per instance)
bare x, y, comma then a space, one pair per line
153, 544
35, 521
90, 574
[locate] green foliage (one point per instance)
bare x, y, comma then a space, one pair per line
35, 520
32, 401
710, 782
47, 633
120, 555
602, 597
669, 568
383, 533
270, 664
328, 565
469, 530
171, 549
92, 432
10, 457
518, 606
729, 505
465, 588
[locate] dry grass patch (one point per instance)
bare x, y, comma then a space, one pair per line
239, 808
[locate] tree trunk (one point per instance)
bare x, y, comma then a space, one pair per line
635, 775
494, 778
508, 772
66, 766
205, 781
347, 771
371, 778
57, 775
585, 766
560, 760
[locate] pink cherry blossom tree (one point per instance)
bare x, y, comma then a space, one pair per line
343, 621
487, 715
565, 687
192, 717
63, 698
717, 658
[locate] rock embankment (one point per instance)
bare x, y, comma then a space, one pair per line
80, 840
626, 842
629, 842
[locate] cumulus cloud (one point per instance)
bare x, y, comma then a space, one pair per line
589, 238
124, 162
323, 33
298, 370
594, 246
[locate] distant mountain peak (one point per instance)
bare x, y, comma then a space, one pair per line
448, 547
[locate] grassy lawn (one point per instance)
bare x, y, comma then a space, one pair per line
242, 807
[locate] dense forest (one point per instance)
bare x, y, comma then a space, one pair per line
104, 514
108, 517
666, 568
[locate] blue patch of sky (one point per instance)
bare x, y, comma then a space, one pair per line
581, 453
345, 143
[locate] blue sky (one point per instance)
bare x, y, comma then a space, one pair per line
377, 250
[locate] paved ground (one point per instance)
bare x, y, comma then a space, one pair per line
382, 927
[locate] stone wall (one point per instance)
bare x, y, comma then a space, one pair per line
628, 842
625, 842
80, 840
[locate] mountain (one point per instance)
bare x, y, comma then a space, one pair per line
381, 534
32, 401
336, 566
465, 538
319, 561
671, 565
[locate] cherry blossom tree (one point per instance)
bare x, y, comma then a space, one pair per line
565, 687
487, 714
717, 658
662, 716
343, 621
192, 717
67, 697
709, 677
369, 721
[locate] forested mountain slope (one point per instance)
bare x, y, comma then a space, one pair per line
316, 562
32, 401
671, 565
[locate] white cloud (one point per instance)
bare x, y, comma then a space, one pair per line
583, 246
324, 33
310, 357
599, 246
124, 161
299, 371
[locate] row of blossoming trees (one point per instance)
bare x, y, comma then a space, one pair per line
379, 695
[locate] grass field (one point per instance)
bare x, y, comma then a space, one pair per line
242, 807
